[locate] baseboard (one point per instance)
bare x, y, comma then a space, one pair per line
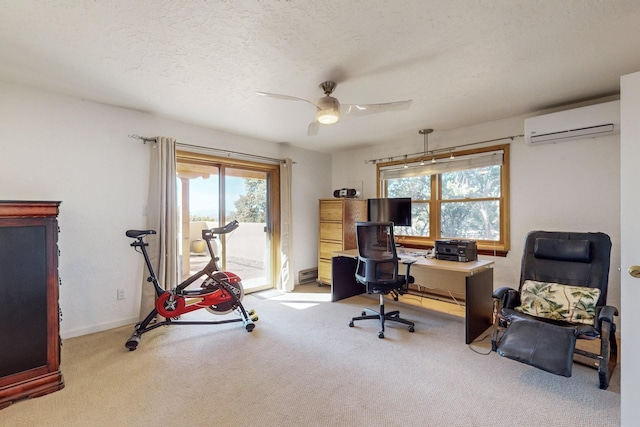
98, 328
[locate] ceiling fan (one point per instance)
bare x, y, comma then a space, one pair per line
329, 109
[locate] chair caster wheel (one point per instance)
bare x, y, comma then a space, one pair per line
412, 329
381, 335
364, 313
351, 324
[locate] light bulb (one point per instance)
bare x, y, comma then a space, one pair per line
329, 110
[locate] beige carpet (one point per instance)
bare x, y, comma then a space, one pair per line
303, 366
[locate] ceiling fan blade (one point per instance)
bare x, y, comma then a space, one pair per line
313, 129
285, 97
329, 110
357, 110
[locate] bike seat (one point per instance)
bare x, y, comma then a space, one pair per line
139, 233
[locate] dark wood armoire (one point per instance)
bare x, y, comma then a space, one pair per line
29, 313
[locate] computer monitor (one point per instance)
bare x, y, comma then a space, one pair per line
396, 210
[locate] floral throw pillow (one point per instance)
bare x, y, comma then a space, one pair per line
556, 301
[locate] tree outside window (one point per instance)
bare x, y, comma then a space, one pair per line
464, 198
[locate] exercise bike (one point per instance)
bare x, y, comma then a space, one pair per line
220, 292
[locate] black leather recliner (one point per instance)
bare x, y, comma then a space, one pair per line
561, 298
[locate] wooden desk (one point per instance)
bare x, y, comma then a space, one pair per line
473, 280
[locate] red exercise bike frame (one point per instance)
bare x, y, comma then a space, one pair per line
220, 291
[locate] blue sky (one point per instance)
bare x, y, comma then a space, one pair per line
204, 194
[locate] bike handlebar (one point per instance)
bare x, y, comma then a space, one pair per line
208, 233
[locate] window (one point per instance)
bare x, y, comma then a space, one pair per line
465, 197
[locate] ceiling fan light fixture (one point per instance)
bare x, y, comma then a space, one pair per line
329, 110
327, 117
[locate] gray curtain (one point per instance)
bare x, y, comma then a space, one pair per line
287, 279
162, 217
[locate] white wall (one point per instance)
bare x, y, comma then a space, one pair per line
59, 148
568, 186
630, 226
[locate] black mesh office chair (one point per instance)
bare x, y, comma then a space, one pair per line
562, 297
377, 270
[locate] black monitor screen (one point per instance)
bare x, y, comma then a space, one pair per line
397, 210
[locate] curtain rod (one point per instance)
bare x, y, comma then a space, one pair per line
219, 150
231, 153
438, 150
144, 139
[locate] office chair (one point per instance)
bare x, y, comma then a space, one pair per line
377, 270
562, 297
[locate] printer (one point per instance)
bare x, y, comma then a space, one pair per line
456, 250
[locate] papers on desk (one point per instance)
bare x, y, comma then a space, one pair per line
407, 260
415, 254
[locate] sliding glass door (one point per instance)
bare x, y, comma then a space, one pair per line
213, 192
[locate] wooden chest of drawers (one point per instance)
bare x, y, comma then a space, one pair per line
337, 231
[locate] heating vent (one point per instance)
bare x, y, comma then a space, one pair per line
308, 275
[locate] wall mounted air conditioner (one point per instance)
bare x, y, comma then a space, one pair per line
584, 122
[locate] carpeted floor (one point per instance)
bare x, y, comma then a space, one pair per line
303, 366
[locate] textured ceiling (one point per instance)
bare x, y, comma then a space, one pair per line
461, 61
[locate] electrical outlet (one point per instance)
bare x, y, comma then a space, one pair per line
120, 294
